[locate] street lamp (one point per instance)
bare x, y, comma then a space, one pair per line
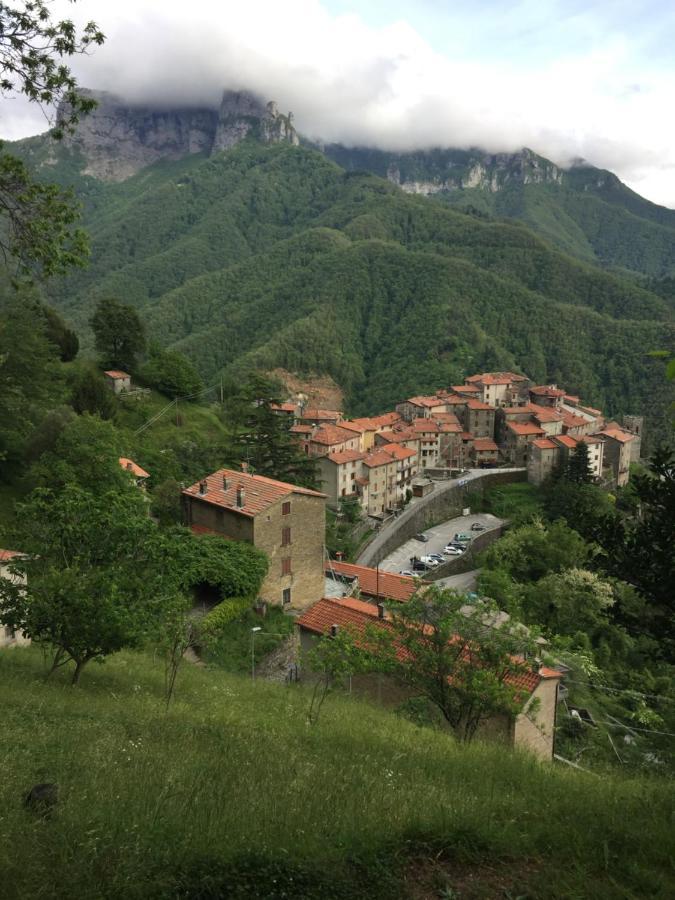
253, 634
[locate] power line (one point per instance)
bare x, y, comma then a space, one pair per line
610, 690
634, 728
174, 402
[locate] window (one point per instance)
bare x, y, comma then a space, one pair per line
285, 537
286, 508
286, 566
286, 596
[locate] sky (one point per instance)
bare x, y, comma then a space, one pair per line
567, 78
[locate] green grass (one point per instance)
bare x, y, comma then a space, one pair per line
518, 502
152, 802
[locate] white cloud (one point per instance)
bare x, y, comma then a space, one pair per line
385, 86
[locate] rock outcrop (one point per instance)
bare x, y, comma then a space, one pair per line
119, 138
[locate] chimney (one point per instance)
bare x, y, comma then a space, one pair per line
129, 465
241, 496
224, 482
334, 630
338, 555
244, 467
380, 610
202, 487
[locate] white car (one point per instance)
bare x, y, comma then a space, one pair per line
429, 561
407, 572
452, 551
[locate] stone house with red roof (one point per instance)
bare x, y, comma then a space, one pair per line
420, 407
117, 380
338, 473
139, 474
8, 636
406, 469
373, 585
617, 451
531, 729
519, 436
332, 439
285, 521
485, 453
380, 470
499, 388
543, 458
429, 435
479, 419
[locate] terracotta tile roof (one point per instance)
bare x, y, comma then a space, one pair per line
116, 373
345, 456
392, 437
379, 457
477, 404
544, 444
301, 429
283, 407
130, 466
388, 418
259, 492
447, 417
465, 389
495, 378
332, 434
519, 410
589, 409
565, 439
356, 615
571, 399
485, 445
547, 390
6, 555
467, 436
524, 428
384, 585
548, 415
354, 425
424, 425
450, 428
455, 400
618, 435
572, 421
361, 480
591, 439
428, 402
398, 452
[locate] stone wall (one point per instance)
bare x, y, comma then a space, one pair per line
467, 561
446, 502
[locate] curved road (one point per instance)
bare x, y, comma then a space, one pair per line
371, 552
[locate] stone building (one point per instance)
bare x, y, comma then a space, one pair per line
381, 469
339, 472
287, 522
500, 388
332, 439
485, 453
635, 425
519, 436
479, 419
531, 729
118, 381
543, 458
617, 452
8, 636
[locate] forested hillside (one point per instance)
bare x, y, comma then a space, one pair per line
275, 256
586, 212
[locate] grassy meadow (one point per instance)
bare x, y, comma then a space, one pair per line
232, 794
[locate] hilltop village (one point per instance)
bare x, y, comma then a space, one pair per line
493, 419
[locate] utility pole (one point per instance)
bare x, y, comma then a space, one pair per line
253, 634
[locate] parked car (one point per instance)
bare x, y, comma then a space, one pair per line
419, 566
407, 572
437, 557
421, 537
429, 561
478, 526
452, 551
462, 537
457, 545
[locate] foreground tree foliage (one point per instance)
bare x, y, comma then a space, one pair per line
98, 575
40, 219
171, 373
119, 333
261, 437
90, 394
462, 659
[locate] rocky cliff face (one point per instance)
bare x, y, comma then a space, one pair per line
118, 139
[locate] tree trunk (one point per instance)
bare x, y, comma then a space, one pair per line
79, 665
56, 662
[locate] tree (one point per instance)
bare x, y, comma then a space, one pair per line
98, 577
171, 373
58, 333
532, 551
30, 380
334, 658
466, 662
40, 219
262, 437
578, 469
569, 602
85, 453
119, 333
90, 394
166, 502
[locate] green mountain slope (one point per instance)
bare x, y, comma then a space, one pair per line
275, 256
584, 211
226, 794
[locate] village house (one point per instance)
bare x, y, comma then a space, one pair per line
332, 439
542, 460
429, 436
485, 453
617, 452
406, 470
8, 636
450, 444
547, 395
371, 585
139, 474
381, 474
318, 417
499, 388
549, 420
479, 419
286, 410
420, 407
531, 729
287, 522
634, 425
338, 472
519, 436
118, 381
548, 453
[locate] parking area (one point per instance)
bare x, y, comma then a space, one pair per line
438, 536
